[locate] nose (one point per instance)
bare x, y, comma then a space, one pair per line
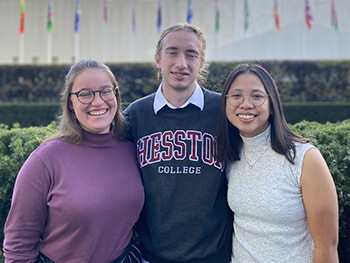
97, 98
181, 61
246, 103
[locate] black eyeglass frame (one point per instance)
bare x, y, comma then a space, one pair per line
114, 88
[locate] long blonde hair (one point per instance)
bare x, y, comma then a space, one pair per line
69, 128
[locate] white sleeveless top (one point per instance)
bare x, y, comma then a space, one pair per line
270, 222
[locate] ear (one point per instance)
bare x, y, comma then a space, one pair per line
157, 59
202, 66
70, 104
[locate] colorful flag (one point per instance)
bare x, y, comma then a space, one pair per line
217, 16
246, 15
49, 16
133, 18
276, 15
22, 21
189, 11
105, 11
308, 16
334, 17
77, 16
159, 19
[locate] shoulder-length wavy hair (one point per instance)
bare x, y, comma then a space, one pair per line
229, 141
69, 128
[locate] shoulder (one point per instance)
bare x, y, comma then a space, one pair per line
302, 148
211, 94
141, 103
211, 99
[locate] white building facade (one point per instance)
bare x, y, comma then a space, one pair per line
114, 41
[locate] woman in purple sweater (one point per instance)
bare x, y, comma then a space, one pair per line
78, 195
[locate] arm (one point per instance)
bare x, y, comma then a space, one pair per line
321, 205
26, 219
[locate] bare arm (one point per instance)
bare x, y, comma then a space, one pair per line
321, 205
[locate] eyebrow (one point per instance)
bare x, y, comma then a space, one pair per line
176, 48
254, 90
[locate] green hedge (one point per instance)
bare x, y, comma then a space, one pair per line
43, 113
298, 81
333, 140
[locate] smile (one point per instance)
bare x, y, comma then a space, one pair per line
246, 117
97, 113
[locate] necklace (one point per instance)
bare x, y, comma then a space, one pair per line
252, 165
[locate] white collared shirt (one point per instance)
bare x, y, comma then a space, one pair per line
197, 99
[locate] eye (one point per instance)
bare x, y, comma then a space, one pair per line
172, 53
85, 93
257, 96
235, 96
107, 90
192, 55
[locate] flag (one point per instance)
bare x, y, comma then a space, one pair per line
189, 11
217, 16
105, 11
276, 15
133, 18
246, 15
22, 21
308, 17
334, 17
159, 19
49, 16
77, 16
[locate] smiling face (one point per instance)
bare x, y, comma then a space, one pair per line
250, 120
97, 116
180, 60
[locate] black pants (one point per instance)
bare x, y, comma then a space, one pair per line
131, 254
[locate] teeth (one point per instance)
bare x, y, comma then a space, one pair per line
247, 117
96, 113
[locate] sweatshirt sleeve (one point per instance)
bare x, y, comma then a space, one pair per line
28, 213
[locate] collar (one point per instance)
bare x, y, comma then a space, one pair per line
197, 99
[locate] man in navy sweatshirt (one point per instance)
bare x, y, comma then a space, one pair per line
186, 217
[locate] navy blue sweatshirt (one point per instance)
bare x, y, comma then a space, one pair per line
186, 217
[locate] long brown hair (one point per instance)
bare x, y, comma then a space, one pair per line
229, 142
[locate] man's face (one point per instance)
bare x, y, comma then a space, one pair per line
180, 60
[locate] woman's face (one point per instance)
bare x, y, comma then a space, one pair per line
247, 105
97, 116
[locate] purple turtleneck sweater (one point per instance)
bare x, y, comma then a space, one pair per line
75, 203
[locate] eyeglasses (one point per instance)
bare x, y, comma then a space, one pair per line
256, 98
86, 96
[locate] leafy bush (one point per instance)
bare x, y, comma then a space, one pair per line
332, 139
16, 144
298, 81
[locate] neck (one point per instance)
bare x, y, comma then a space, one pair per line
178, 97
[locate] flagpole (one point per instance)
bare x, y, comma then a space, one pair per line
49, 30
217, 28
133, 29
21, 32
21, 49
76, 48
104, 31
49, 47
76, 30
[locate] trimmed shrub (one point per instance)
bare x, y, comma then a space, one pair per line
332, 139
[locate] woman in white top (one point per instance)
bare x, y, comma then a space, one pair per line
279, 185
